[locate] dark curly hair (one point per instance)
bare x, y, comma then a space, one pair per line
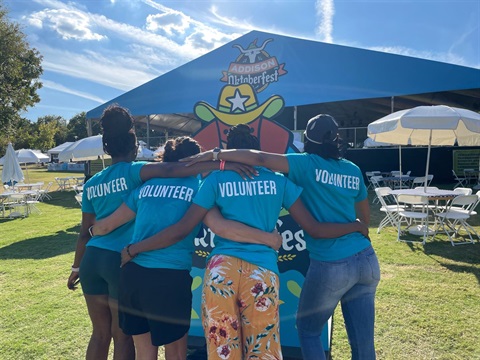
119, 137
240, 137
176, 149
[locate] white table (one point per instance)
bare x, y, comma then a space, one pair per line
9, 199
63, 182
434, 195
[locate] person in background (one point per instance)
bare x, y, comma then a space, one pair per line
240, 292
343, 269
97, 259
155, 297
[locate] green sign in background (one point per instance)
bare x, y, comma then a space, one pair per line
466, 159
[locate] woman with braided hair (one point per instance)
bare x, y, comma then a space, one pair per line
97, 258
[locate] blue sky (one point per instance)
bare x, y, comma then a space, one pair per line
95, 50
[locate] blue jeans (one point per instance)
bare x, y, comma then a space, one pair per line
351, 281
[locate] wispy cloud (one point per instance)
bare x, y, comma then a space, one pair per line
449, 58
325, 11
59, 87
98, 68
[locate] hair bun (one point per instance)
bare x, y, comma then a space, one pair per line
116, 121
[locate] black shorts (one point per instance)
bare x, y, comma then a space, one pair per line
158, 301
100, 272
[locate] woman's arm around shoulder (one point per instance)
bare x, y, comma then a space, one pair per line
168, 236
239, 232
276, 162
323, 230
119, 217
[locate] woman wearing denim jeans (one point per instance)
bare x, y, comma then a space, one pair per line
342, 270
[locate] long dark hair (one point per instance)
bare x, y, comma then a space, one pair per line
176, 149
240, 137
119, 137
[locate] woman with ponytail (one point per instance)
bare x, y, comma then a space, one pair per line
97, 258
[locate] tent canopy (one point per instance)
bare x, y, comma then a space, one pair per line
354, 85
58, 149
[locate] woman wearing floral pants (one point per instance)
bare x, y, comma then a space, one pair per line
255, 307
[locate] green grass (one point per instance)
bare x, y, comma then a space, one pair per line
428, 301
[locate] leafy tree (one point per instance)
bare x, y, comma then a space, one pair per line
20, 69
61, 131
24, 135
45, 135
77, 127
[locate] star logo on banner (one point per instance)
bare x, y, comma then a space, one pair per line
237, 101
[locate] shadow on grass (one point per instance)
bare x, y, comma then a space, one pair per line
63, 242
460, 258
65, 199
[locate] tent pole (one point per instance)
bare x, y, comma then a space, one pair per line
428, 160
400, 163
294, 118
148, 131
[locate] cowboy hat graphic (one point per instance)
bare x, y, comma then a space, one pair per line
239, 105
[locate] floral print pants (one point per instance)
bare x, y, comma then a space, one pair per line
240, 310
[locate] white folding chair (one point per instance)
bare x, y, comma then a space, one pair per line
390, 210
455, 217
376, 183
44, 192
463, 191
470, 208
420, 180
469, 176
461, 181
31, 201
78, 197
369, 174
415, 212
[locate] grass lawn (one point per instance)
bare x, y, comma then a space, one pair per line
428, 302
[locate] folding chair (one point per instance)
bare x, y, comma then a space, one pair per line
78, 197
469, 176
369, 174
461, 181
463, 191
420, 180
376, 183
31, 201
44, 192
451, 221
391, 211
416, 212
467, 208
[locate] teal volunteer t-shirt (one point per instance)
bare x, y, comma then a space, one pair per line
331, 189
159, 203
103, 194
255, 202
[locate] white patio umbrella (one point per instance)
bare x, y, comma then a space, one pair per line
29, 156
11, 171
428, 125
89, 148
